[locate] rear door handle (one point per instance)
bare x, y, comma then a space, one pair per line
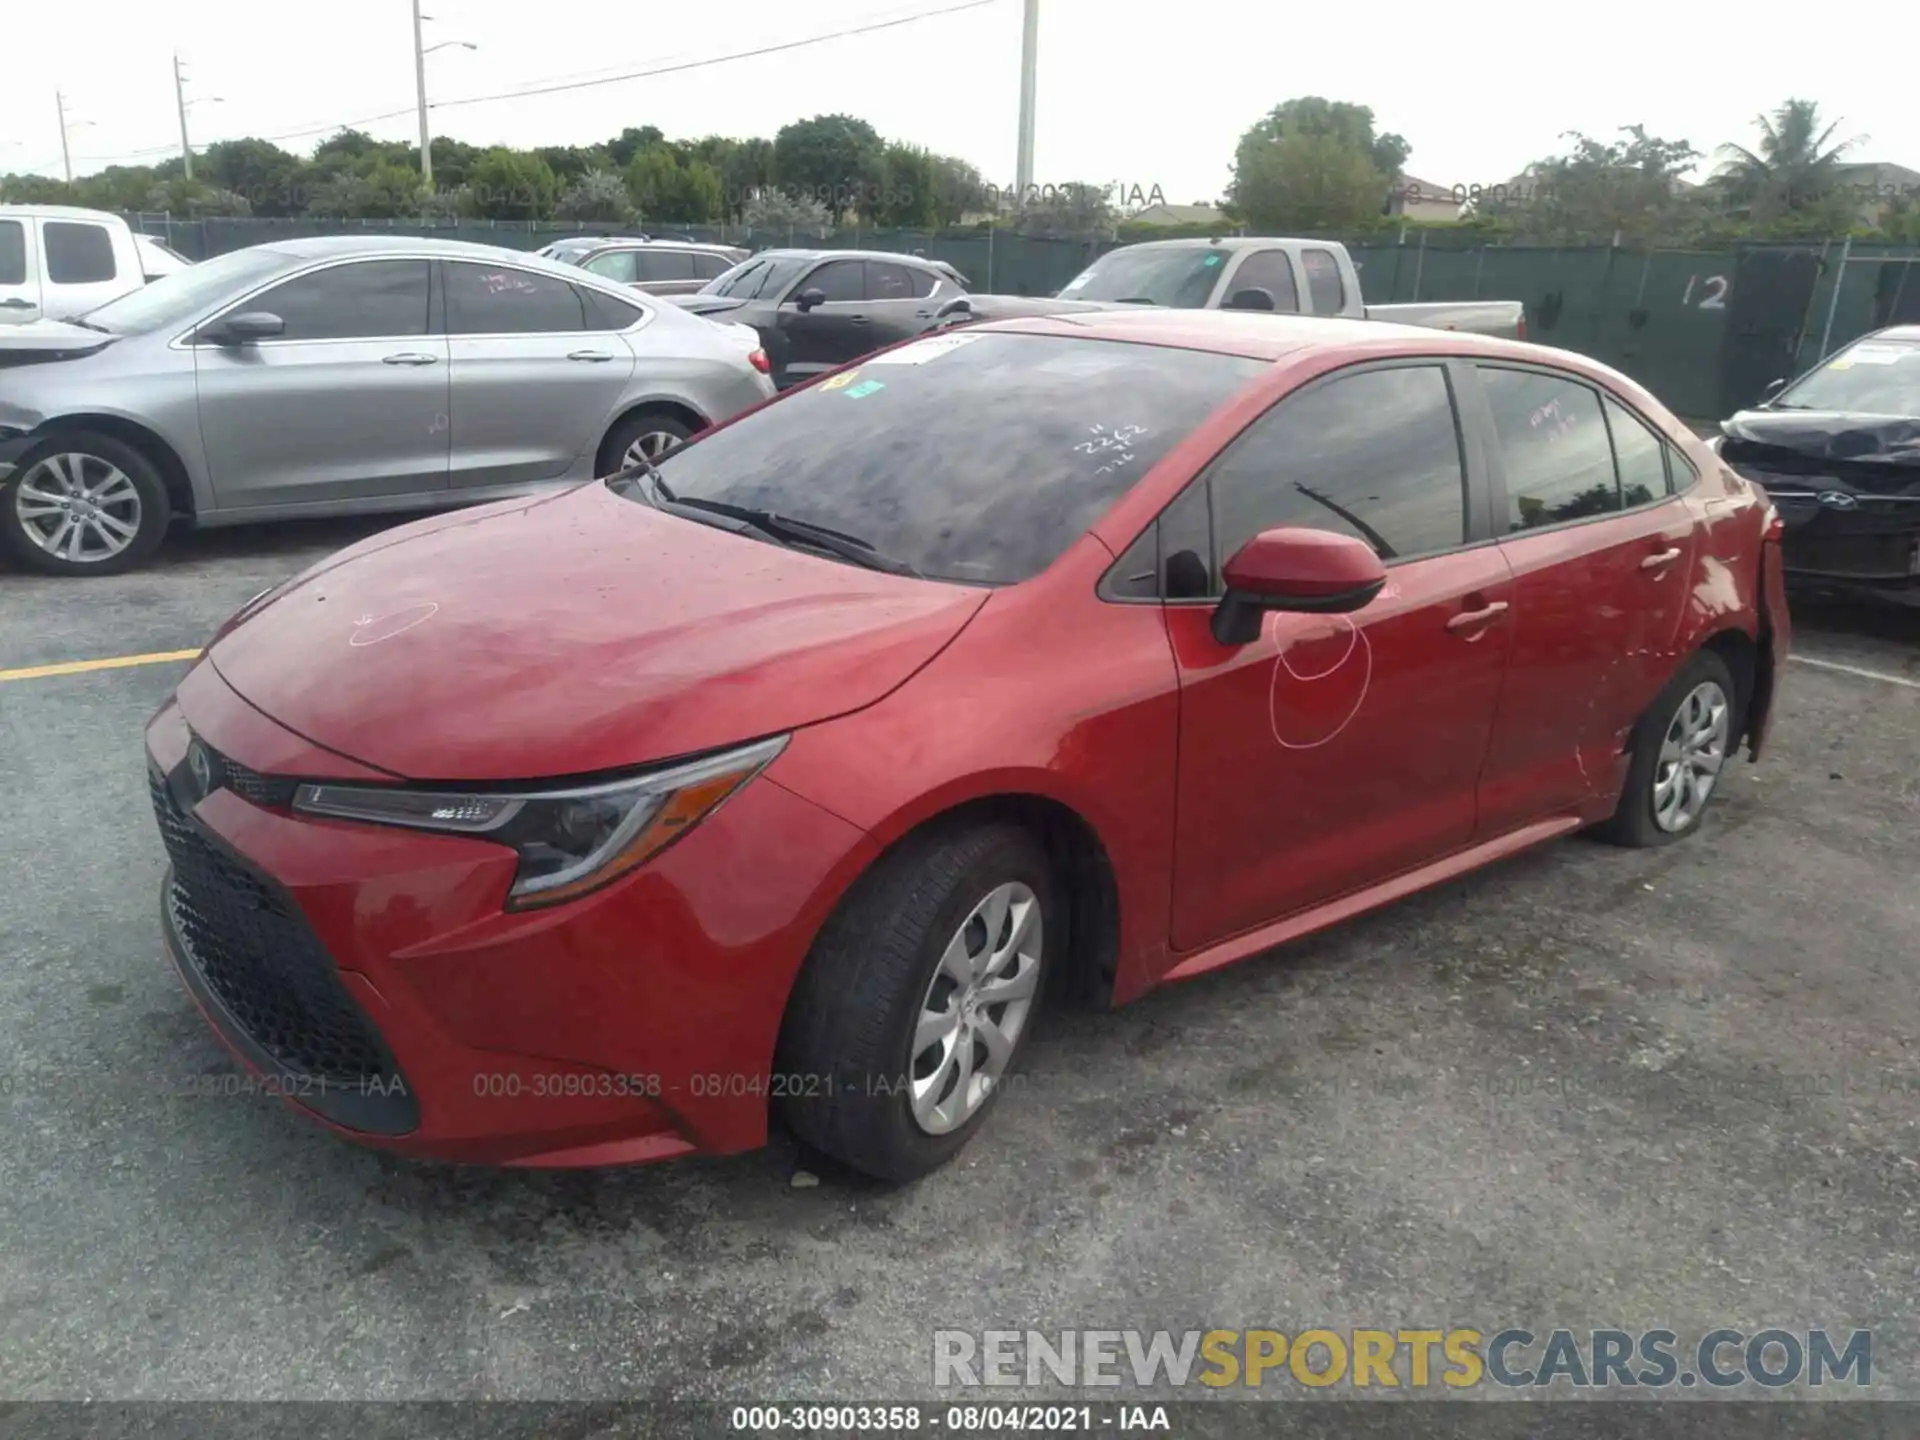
1660, 559
410, 357
595, 356
858, 320
1472, 619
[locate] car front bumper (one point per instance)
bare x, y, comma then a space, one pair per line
371, 977
1873, 543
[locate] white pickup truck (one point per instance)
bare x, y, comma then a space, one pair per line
1239, 272
57, 261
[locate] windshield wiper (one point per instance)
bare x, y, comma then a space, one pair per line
780, 529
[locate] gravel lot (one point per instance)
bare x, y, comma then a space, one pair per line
1588, 1088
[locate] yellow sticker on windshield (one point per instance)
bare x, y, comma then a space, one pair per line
840, 382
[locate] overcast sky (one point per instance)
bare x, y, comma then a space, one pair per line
1134, 92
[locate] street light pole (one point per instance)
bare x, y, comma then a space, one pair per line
420, 86
66, 156
180, 103
1029, 59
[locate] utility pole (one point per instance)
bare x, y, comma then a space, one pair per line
1029, 56
66, 156
180, 104
420, 86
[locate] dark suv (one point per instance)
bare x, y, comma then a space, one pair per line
659, 267
818, 309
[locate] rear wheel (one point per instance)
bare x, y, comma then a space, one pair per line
917, 999
1680, 749
82, 503
648, 436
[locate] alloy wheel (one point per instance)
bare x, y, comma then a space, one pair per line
1691, 756
650, 445
78, 507
976, 1008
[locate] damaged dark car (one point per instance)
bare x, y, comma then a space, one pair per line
1838, 450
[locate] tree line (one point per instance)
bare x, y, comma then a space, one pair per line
1309, 166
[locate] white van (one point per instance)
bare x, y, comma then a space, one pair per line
57, 261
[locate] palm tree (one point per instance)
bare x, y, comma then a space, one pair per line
1795, 166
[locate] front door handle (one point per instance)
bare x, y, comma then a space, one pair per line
1473, 619
596, 357
858, 320
16, 304
410, 357
1660, 559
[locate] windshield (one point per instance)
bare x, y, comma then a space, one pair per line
177, 298
1181, 277
1871, 377
971, 457
762, 275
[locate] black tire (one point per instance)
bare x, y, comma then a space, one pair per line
625, 432
1635, 823
843, 1063
155, 510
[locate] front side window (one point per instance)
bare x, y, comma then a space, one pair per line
1271, 271
364, 300
972, 457
13, 253
1374, 455
1553, 447
615, 265
77, 254
492, 300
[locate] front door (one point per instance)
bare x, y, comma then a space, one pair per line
825, 336
350, 401
1601, 552
1336, 751
19, 274
536, 383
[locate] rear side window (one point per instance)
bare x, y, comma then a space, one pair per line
1553, 447
1325, 289
1639, 455
710, 267
1680, 471
664, 264
606, 313
1271, 271
364, 300
1374, 455
887, 280
78, 254
13, 253
483, 300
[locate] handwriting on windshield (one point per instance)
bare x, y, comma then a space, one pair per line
1115, 445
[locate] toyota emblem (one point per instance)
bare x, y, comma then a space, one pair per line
201, 763
1837, 500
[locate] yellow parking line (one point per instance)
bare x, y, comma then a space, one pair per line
81, 667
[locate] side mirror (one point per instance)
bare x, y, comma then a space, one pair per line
1251, 298
959, 305
1774, 387
245, 329
809, 298
1312, 572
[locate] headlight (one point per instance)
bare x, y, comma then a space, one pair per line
1714, 442
570, 841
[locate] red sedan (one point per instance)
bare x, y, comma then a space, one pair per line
1071, 654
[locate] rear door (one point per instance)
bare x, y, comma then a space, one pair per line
19, 273
899, 301
1601, 549
350, 402
1336, 750
535, 381
83, 267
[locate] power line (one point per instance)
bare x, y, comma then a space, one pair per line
781, 47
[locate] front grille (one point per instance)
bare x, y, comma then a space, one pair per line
266, 969
1867, 557
265, 790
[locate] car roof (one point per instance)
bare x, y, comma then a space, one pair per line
59, 212
1908, 333
636, 243
848, 255
1263, 336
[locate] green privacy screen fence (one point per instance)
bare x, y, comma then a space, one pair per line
1704, 330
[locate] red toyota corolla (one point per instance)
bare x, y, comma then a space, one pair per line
1098, 650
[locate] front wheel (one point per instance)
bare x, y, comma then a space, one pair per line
917, 999
80, 503
648, 437
1680, 749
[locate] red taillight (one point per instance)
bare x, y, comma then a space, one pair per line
758, 359
1776, 527
1520, 331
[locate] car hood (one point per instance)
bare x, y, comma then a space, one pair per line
1019, 307
577, 635
41, 340
1873, 453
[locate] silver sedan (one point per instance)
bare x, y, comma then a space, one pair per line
336, 376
